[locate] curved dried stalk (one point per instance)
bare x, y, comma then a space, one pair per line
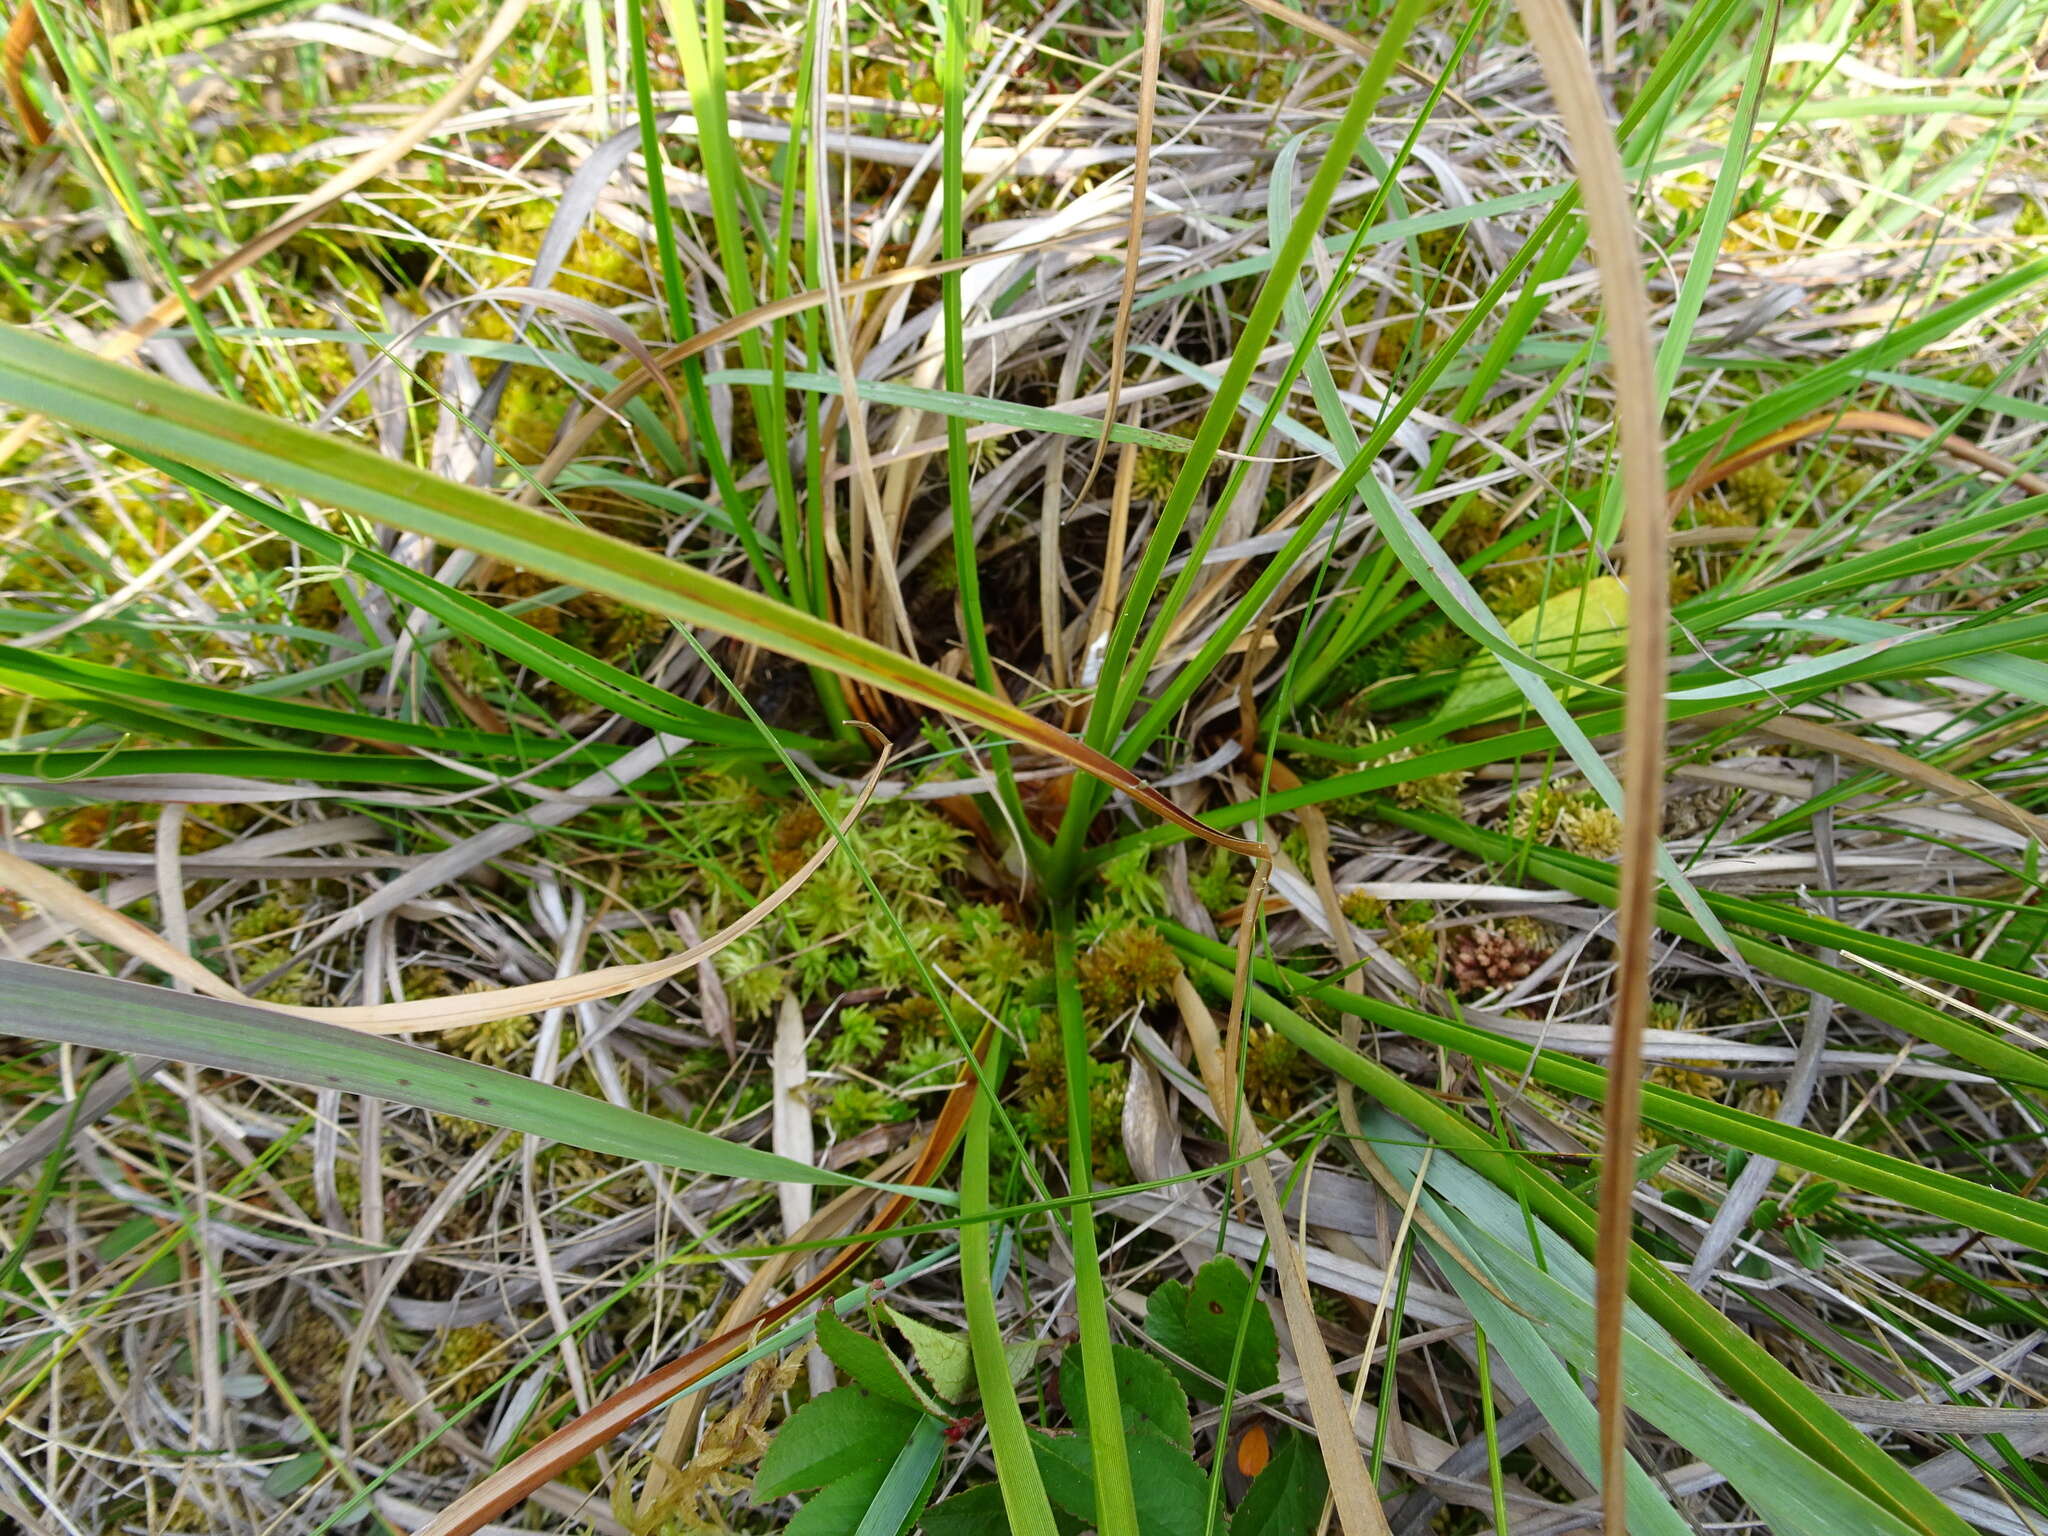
1854, 421
1638, 413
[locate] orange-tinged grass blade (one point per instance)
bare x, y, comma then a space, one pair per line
1854, 421
23, 33
164, 421
606, 1420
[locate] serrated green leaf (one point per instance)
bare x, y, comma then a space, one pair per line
1170, 1491
977, 1512
947, 1359
845, 1431
1286, 1499
838, 1508
868, 1362
1221, 1303
1200, 1324
1166, 1324
1148, 1395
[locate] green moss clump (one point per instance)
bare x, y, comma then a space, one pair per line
1436, 648
1218, 882
753, 986
1440, 792
1275, 1073
1563, 819
471, 1358
1404, 931
855, 1107
1757, 492
1127, 966
1041, 1099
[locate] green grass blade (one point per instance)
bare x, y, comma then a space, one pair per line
169, 423
1967, 1202
1745, 1368
1115, 1500
586, 676
1969, 1041
40, 1002
957, 406
33, 671
1024, 1500
1539, 1272
1121, 688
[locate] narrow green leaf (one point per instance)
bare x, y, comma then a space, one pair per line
965, 407
1942, 1194
1510, 1246
40, 1002
164, 422
1021, 1494
895, 1506
1749, 1370
586, 676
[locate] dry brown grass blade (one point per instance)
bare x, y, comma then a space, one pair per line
1986, 802
1638, 411
129, 339
54, 894
1141, 167
865, 502
1113, 553
610, 1418
1855, 421
1359, 1512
